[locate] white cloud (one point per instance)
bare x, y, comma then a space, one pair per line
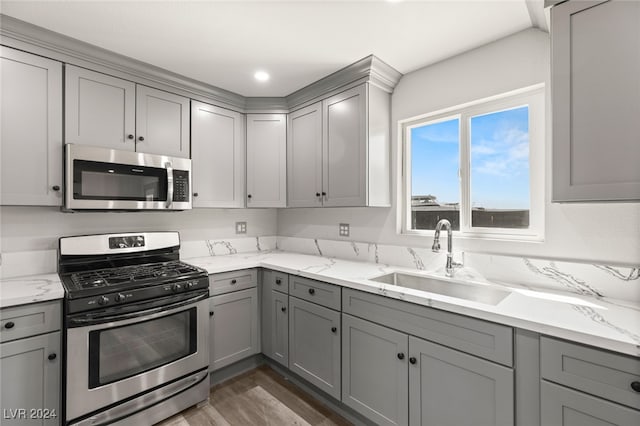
505, 154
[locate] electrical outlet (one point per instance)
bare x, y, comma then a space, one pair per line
344, 229
241, 227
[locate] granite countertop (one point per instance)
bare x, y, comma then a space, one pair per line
601, 322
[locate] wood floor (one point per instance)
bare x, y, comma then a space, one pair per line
258, 397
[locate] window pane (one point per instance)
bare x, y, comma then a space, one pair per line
500, 169
435, 187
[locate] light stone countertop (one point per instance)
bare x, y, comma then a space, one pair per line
601, 322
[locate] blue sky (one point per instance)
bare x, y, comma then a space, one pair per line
499, 160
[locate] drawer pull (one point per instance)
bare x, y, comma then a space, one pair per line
278, 281
413, 360
233, 281
334, 329
400, 356
211, 313
312, 291
51, 357
635, 386
9, 325
283, 309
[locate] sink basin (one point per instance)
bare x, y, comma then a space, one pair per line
475, 293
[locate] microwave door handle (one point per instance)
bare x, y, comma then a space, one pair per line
169, 168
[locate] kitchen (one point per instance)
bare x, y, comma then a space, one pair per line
572, 275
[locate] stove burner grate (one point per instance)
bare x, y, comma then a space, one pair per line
137, 273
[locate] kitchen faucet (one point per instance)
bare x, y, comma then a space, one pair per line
451, 265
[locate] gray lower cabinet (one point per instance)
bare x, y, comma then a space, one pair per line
451, 388
374, 371
280, 328
233, 328
565, 407
314, 344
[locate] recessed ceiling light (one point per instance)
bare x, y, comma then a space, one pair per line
261, 76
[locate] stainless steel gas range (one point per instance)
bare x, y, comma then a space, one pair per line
136, 328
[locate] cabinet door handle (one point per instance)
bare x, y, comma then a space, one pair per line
211, 313
141, 138
51, 357
283, 309
312, 291
278, 281
56, 187
413, 360
195, 194
400, 356
249, 196
635, 386
233, 281
9, 325
129, 136
334, 329
317, 194
324, 194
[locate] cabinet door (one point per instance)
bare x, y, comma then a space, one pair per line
304, 157
99, 109
31, 131
280, 327
30, 370
234, 328
217, 147
162, 123
596, 100
451, 388
314, 344
344, 148
374, 371
560, 406
266, 160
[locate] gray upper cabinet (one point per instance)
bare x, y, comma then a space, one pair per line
374, 371
448, 387
564, 407
110, 112
314, 344
99, 109
162, 123
266, 160
218, 151
31, 131
350, 132
304, 157
596, 100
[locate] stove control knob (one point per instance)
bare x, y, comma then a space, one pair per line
103, 300
189, 285
176, 288
119, 297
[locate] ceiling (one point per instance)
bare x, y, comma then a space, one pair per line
223, 43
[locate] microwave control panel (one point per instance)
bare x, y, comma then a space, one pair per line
180, 185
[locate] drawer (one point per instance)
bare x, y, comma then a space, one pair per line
28, 320
278, 281
476, 337
315, 291
595, 371
232, 281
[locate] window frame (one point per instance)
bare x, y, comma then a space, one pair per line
534, 98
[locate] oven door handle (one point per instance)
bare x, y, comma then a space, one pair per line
97, 318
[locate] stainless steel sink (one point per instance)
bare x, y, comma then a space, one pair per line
475, 293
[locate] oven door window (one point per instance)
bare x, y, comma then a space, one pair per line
120, 352
93, 180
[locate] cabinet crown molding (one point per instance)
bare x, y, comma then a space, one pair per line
41, 41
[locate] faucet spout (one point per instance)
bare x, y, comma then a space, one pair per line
451, 264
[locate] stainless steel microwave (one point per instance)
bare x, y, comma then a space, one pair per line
108, 179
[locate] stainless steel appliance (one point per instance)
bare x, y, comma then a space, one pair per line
136, 326
108, 179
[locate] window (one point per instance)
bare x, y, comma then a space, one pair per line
479, 165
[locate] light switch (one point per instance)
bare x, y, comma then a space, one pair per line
241, 227
344, 229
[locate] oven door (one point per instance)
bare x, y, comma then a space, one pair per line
104, 179
108, 362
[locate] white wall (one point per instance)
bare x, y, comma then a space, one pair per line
605, 232
38, 228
